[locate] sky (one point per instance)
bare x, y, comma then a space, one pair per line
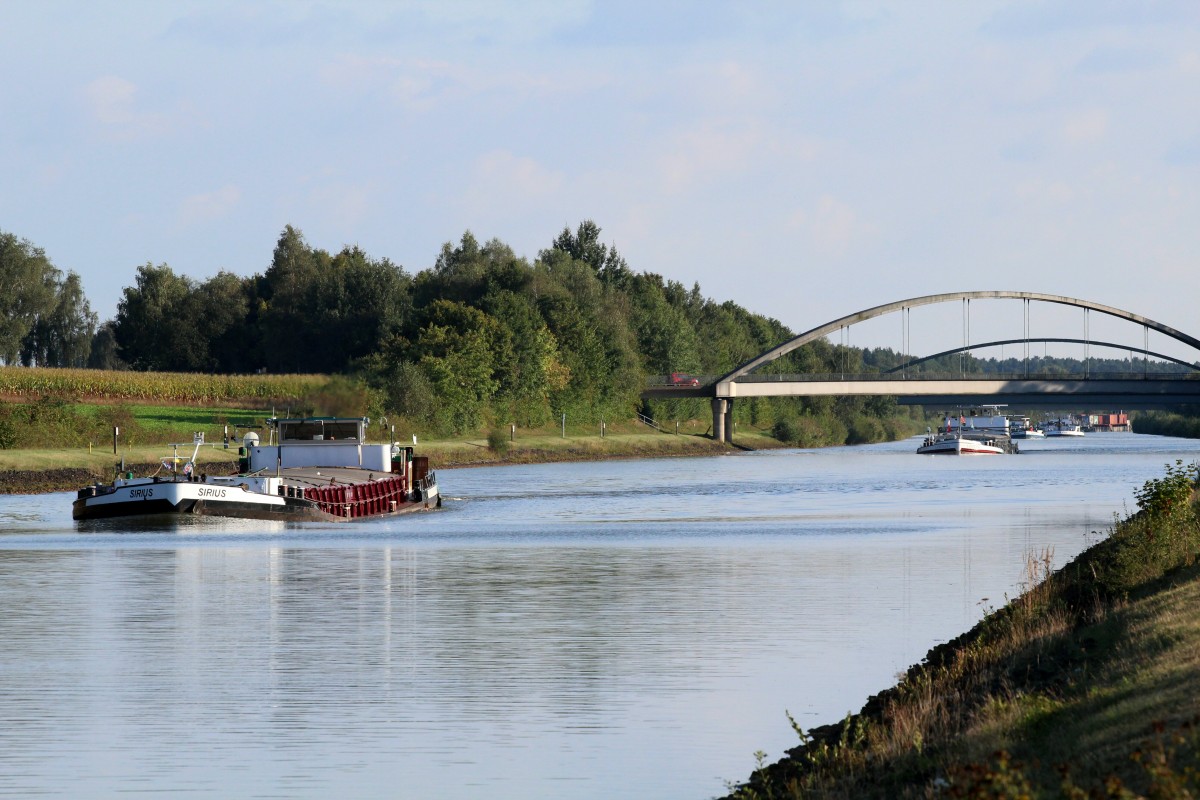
804, 159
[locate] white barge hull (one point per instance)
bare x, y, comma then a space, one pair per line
953, 445
245, 499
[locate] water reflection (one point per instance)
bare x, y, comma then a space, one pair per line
592, 630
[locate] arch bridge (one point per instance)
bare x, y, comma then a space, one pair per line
914, 387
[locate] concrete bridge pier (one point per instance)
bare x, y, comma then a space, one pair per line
722, 419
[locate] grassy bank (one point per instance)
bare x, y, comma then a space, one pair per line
36, 471
57, 426
1085, 686
549, 446
29, 471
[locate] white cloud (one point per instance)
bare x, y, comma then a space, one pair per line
690, 150
52, 174
704, 153
832, 227
1085, 126
111, 99
1044, 193
200, 208
516, 23
112, 103
408, 82
343, 205
525, 174
423, 84
506, 183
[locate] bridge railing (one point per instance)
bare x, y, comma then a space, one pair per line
971, 376
680, 382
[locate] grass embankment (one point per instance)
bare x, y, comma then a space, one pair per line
623, 441
1085, 686
56, 425
59, 470
48, 469
33, 457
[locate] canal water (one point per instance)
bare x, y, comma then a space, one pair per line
594, 630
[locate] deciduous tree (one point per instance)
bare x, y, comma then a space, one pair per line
28, 291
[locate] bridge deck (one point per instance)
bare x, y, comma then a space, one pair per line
1144, 392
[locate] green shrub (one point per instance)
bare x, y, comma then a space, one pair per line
8, 436
865, 430
785, 430
497, 440
1167, 423
1164, 534
1169, 498
340, 397
822, 430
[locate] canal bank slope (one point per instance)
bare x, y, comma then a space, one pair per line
1085, 686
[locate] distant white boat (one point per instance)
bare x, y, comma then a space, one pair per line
1022, 428
1063, 427
964, 444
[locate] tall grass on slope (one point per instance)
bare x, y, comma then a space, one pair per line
1086, 685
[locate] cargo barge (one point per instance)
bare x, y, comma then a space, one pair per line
318, 469
963, 444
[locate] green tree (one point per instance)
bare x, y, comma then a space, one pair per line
155, 327
590, 322
666, 339
321, 313
28, 292
62, 336
527, 367
104, 352
358, 303
288, 334
457, 275
584, 245
455, 351
403, 387
221, 305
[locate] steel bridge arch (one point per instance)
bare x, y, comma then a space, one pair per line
983, 345
949, 297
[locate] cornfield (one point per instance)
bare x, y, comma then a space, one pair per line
160, 387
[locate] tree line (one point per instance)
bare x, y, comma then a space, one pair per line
484, 337
45, 319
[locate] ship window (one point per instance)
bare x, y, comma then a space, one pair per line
319, 429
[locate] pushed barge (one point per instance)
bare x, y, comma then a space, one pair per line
313, 469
